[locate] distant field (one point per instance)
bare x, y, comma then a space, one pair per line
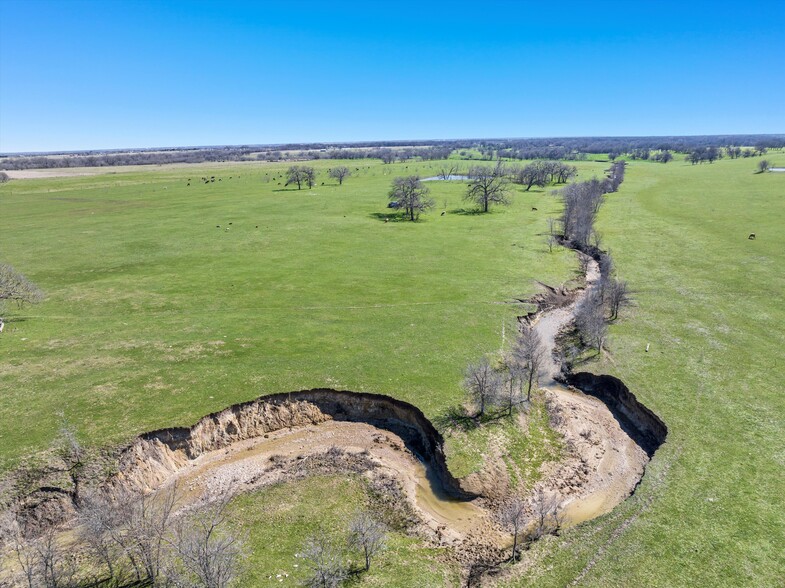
155, 317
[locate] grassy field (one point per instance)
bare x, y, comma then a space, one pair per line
154, 317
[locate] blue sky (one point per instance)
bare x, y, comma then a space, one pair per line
111, 74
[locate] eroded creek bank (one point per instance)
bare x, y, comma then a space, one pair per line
609, 437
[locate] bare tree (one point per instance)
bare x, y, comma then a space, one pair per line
70, 451
99, 524
482, 384
513, 519
487, 186
447, 171
15, 287
528, 352
411, 195
565, 172
149, 522
208, 553
309, 176
325, 561
590, 321
534, 174
340, 173
26, 557
617, 296
763, 166
546, 513
4, 177
581, 203
367, 534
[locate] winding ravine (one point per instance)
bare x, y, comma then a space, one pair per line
234, 447
611, 438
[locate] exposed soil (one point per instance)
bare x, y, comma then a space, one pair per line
608, 437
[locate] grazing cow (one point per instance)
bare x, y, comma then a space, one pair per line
257, 226
443, 211
189, 183
217, 226
230, 223
752, 236
533, 208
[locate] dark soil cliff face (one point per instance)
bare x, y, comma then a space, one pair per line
153, 457
639, 422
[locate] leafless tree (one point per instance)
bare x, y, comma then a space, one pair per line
340, 173
149, 521
70, 451
763, 166
546, 513
26, 557
581, 203
411, 195
15, 287
487, 185
512, 516
207, 552
325, 560
4, 177
590, 321
530, 175
309, 176
99, 524
565, 172
528, 352
367, 534
447, 171
482, 384
617, 296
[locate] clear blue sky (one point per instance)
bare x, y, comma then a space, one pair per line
106, 74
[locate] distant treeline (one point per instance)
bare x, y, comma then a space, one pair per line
699, 149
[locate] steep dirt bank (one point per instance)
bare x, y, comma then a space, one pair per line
154, 456
639, 422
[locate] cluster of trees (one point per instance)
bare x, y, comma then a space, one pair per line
326, 555
710, 154
601, 305
582, 201
488, 185
734, 152
502, 386
540, 515
663, 156
541, 173
133, 539
304, 174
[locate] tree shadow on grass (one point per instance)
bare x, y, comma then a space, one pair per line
393, 217
457, 417
467, 211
